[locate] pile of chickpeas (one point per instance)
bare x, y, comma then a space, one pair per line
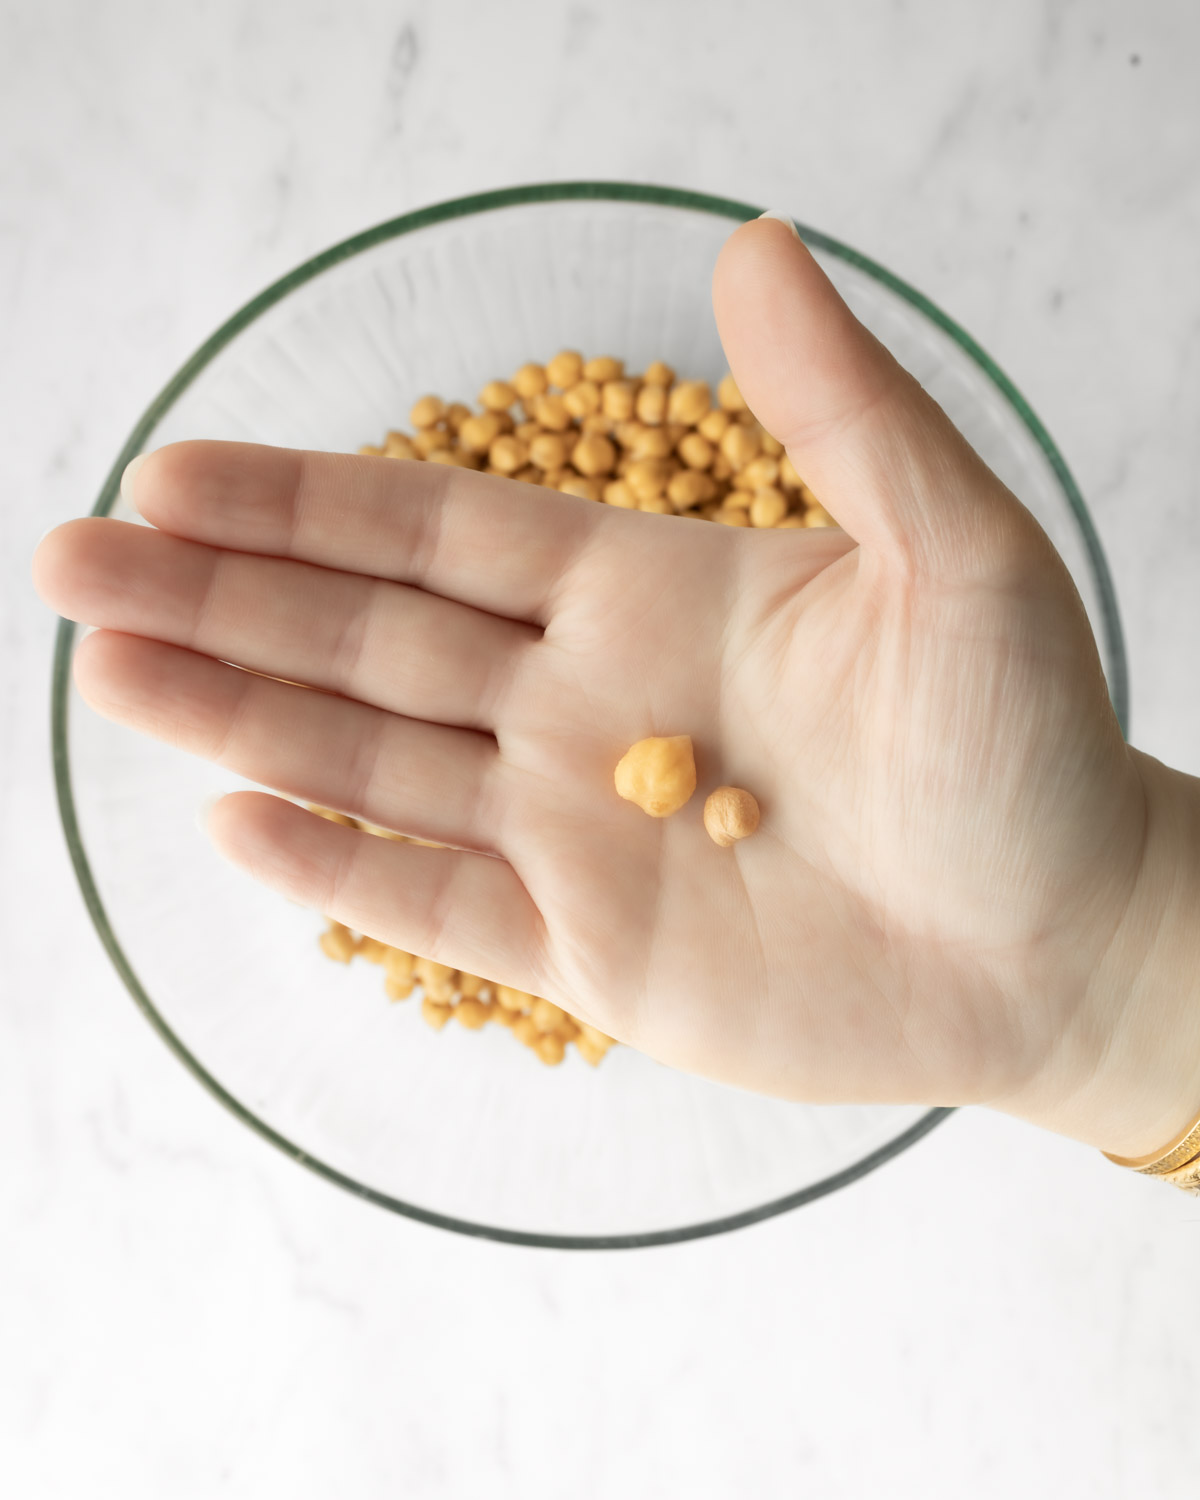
640, 442
545, 1028
643, 442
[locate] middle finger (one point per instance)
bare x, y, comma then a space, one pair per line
386, 644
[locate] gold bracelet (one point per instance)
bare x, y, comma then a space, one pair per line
1178, 1163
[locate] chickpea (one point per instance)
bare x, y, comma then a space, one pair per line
730, 814
455, 458
473, 1014
435, 1013
497, 395
594, 455
429, 439
589, 1051
759, 474
596, 1037
583, 398
399, 445
372, 950
696, 451
596, 422
456, 414
618, 493
427, 411
729, 398
771, 446
370, 450
397, 989
527, 431
508, 454
739, 445
651, 405
689, 401
738, 499
659, 374
552, 478
583, 487
650, 442
529, 475
656, 505
721, 467
728, 515
549, 450
552, 413
817, 515
617, 400
471, 987
525, 1031
713, 424
332, 817
647, 478
658, 773
501, 1016
550, 1048
477, 434
767, 508
788, 522
514, 1000
337, 943
567, 1028
565, 369
603, 368
530, 381
690, 487
436, 979
546, 1016
787, 474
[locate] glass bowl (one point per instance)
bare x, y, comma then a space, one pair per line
469, 1131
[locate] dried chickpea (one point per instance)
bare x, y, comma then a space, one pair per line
399, 445
370, 450
817, 515
650, 442
760, 474
618, 493
332, 817
713, 424
477, 434
471, 987
617, 399
455, 458
658, 773
689, 401
436, 979
594, 455
596, 1037
582, 399
552, 413
398, 965
728, 515
549, 450
730, 814
337, 943
597, 422
430, 439
647, 478
473, 1014
397, 989
589, 1051
427, 411
771, 446
567, 1028
656, 505
530, 381
546, 1016
550, 1048
696, 451
514, 1000
508, 454
767, 508
788, 522
565, 369
501, 1016
583, 487
529, 475
525, 1031
729, 398
738, 499
739, 445
659, 374
721, 467
456, 414
690, 487
603, 367
651, 405
787, 474
527, 431
435, 1013
372, 950
552, 478
497, 395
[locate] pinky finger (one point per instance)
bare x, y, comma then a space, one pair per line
469, 911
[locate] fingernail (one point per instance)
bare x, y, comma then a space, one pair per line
778, 214
204, 811
127, 478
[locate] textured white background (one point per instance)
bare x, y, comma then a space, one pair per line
185, 1313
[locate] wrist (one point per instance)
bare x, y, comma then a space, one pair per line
1127, 1078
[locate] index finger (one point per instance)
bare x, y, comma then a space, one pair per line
494, 543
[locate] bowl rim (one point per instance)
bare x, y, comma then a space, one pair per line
1112, 646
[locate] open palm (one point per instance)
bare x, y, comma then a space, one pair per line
920, 712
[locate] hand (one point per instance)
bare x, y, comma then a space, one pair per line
953, 829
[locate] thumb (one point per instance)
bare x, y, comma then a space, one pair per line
878, 452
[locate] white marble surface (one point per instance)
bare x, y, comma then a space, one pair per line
185, 1313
